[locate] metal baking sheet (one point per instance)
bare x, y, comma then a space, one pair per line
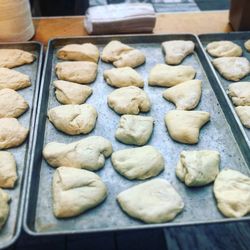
12, 228
200, 206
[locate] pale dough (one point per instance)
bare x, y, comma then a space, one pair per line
177, 50
247, 45
123, 77
4, 207
134, 129
154, 201
232, 68
244, 114
129, 100
198, 168
240, 93
184, 126
138, 163
12, 133
232, 192
88, 153
168, 76
185, 96
79, 72
75, 191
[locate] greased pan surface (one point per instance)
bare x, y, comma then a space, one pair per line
200, 206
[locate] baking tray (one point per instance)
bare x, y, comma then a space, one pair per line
12, 228
200, 206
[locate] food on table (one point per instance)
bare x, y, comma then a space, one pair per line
247, 45
244, 114
4, 207
240, 93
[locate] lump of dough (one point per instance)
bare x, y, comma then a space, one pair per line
13, 79
71, 93
10, 58
177, 50
134, 129
88, 153
154, 201
79, 52
247, 45
232, 68
12, 104
79, 72
73, 119
184, 126
12, 133
76, 191
123, 77
4, 207
185, 96
244, 114
138, 163
224, 49
129, 100
198, 168
168, 76
240, 93
8, 175
231, 190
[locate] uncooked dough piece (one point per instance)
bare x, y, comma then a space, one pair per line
154, 201
123, 77
168, 76
11, 103
10, 58
8, 175
4, 207
12, 133
75, 191
232, 68
73, 119
87, 153
224, 49
177, 50
198, 168
184, 126
244, 114
231, 190
185, 96
129, 100
79, 72
247, 45
134, 129
138, 163
13, 79
240, 93
71, 93
79, 52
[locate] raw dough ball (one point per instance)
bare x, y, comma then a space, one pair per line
79, 52
198, 168
185, 95
129, 100
71, 93
231, 190
4, 207
10, 58
75, 191
244, 114
138, 163
184, 126
168, 76
247, 45
12, 133
11, 103
8, 175
232, 68
224, 49
87, 153
123, 77
134, 129
177, 50
13, 79
73, 119
240, 93
154, 201
79, 72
